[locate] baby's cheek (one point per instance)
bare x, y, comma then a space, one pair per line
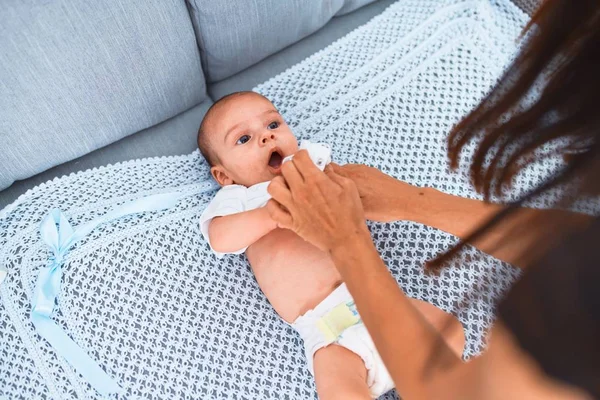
259, 172
289, 139
294, 147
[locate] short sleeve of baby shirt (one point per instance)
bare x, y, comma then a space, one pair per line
233, 199
228, 200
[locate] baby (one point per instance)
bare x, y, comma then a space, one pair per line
245, 140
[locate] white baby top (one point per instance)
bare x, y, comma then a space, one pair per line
233, 199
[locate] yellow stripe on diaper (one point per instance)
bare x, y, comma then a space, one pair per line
336, 321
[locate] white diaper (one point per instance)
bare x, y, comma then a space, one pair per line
314, 328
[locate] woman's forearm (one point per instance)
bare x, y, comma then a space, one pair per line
387, 199
460, 216
401, 334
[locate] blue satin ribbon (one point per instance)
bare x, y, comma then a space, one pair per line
58, 234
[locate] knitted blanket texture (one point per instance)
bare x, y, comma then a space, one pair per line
148, 301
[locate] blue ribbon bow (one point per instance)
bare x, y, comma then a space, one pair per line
58, 234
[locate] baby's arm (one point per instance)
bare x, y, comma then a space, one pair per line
236, 231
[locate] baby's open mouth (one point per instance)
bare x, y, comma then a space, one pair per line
275, 159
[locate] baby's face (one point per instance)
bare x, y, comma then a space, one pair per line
250, 140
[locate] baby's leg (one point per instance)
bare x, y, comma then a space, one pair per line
446, 324
340, 374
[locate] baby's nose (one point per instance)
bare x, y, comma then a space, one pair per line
267, 137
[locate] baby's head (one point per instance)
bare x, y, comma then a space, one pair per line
244, 139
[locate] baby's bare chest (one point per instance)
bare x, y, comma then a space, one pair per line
284, 245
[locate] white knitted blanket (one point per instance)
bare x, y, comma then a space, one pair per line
145, 297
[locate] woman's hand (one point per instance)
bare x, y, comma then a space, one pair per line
384, 198
322, 208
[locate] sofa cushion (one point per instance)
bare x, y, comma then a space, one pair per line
234, 34
351, 5
173, 137
77, 75
293, 54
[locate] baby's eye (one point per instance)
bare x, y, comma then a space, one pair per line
273, 125
243, 139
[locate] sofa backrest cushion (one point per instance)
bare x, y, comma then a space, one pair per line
234, 34
77, 75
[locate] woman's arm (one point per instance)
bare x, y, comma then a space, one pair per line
237, 231
420, 363
408, 345
326, 210
387, 199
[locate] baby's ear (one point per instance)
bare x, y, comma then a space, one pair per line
221, 176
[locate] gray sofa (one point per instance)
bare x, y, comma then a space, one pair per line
85, 84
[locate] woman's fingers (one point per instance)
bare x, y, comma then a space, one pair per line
305, 166
337, 178
322, 210
292, 176
348, 171
335, 168
279, 215
280, 192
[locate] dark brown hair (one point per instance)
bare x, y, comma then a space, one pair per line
549, 98
550, 95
